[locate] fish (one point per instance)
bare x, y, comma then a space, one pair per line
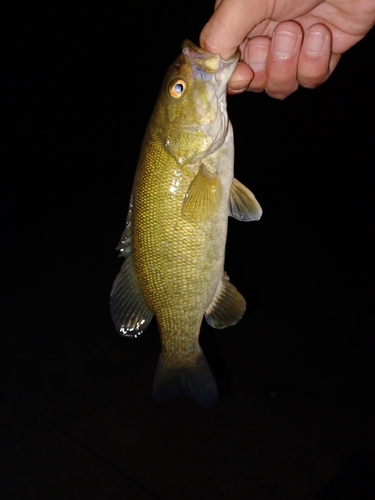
176, 227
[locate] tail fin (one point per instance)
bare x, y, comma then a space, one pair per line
192, 379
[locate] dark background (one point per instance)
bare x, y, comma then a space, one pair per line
296, 375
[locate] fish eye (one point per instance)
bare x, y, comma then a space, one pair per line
176, 88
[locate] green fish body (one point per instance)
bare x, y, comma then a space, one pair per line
176, 229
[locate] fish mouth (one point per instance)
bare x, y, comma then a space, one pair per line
210, 67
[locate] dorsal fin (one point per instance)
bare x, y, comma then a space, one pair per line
125, 240
130, 313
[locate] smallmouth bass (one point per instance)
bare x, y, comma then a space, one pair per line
176, 227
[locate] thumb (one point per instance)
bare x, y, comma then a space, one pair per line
231, 22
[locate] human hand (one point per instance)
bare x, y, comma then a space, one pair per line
285, 43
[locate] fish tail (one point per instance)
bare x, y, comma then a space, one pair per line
191, 379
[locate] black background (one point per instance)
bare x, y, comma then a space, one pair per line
296, 375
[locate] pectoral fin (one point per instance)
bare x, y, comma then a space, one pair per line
203, 196
130, 313
227, 307
243, 204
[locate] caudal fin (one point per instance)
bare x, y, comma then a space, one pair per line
193, 380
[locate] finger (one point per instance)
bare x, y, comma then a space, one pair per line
255, 54
241, 78
230, 24
282, 62
335, 58
314, 59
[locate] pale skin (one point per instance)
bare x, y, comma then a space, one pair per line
285, 43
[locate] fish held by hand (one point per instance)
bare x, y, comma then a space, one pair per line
176, 228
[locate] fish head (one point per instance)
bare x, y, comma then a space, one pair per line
193, 116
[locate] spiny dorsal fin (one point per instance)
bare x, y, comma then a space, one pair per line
243, 204
203, 196
130, 313
227, 307
125, 240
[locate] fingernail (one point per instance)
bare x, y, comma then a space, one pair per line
257, 56
315, 43
284, 43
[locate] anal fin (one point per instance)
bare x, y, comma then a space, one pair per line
227, 307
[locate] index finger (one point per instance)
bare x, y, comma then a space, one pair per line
229, 25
